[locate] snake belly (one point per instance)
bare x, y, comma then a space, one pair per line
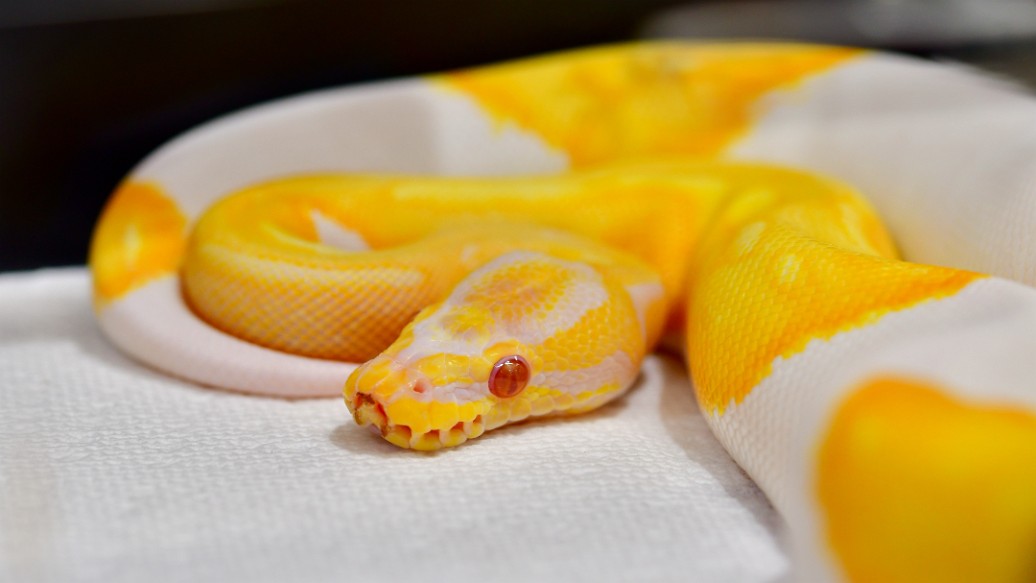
885, 407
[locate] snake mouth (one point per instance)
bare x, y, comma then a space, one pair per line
368, 412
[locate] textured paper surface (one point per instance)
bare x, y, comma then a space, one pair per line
110, 471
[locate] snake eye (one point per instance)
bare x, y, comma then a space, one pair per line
509, 376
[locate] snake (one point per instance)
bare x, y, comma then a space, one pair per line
462, 251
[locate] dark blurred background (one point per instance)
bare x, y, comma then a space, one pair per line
89, 87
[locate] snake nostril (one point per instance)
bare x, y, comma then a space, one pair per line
422, 385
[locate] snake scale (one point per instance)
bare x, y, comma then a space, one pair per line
508, 242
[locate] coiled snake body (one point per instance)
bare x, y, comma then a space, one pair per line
886, 407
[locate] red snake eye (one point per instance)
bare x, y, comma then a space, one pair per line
509, 376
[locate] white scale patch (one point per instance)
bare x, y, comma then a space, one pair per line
616, 367
335, 235
643, 296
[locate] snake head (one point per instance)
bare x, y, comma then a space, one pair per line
525, 335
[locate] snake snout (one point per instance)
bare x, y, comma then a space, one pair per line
399, 403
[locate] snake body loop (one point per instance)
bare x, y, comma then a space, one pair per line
886, 407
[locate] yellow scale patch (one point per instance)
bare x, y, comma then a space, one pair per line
535, 286
915, 485
141, 237
602, 105
788, 264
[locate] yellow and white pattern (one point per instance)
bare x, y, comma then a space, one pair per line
887, 408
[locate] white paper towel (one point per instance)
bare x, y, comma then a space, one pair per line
112, 472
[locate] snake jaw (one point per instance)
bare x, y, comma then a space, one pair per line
370, 413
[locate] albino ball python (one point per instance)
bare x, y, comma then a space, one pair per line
887, 408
